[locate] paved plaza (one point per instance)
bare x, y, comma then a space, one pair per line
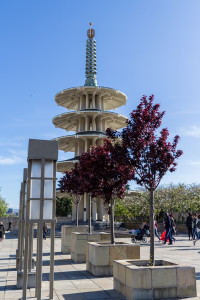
73, 282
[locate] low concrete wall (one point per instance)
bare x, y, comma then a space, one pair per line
6, 220
15, 220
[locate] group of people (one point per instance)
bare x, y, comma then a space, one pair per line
193, 226
170, 229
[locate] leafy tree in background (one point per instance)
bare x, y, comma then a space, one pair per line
3, 207
63, 206
179, 198
151, 155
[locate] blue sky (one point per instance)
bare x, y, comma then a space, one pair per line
143, 47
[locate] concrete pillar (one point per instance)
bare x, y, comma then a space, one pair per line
87, 101
93, 101
79, 103
86, 145
87, 123
100, 210
94, 127
98, 102
94, 210
102, 104
84, 207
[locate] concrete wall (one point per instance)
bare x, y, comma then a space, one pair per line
12, 219
60, 221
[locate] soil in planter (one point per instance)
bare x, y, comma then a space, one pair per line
145, 263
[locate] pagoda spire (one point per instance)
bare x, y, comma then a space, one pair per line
91, 66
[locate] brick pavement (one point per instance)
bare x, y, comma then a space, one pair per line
73, 282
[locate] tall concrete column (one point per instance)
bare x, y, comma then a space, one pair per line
94, 127
100, 210
86, 123
94, 210
87, 101
93, 101
84, 207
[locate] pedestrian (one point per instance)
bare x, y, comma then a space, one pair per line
198, 227
156, 229
9, 226
194, 222
189, 225
168, 227
2, 232
173, 227
45, 231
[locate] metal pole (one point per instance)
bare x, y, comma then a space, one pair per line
89, 220
30, 247
37, 262
39, 257
25, 275
21, 251
52, 261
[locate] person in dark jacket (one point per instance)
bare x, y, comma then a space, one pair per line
45, 231
2, 232
194, 222
9, 226
168, 228
189, 225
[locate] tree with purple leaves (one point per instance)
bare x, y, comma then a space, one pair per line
70, 183
151, 155
104, 172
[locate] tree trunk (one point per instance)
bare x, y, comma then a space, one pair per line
89, 220
151, 217
77, 205
112, 233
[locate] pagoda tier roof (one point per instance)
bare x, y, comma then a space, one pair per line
69, 98
67, 143
68, 121
66, 165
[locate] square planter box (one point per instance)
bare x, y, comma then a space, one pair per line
66, 236
136, 280
79, 241
100, 256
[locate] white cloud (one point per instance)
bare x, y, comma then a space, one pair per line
193, 131
13, 160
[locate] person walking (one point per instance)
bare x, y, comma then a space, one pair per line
173, 227
194, 222
189, 225
168, 229
156, 229
9, 226
2, 232
45, 231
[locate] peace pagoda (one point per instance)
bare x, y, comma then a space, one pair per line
88, 118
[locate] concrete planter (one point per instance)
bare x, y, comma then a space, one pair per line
66, 236
79, 241
136, 280
100, 256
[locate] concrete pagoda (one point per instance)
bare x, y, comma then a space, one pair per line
89, 119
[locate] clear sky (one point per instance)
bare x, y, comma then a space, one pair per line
143, 47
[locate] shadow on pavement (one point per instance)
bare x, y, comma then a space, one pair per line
108, 294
